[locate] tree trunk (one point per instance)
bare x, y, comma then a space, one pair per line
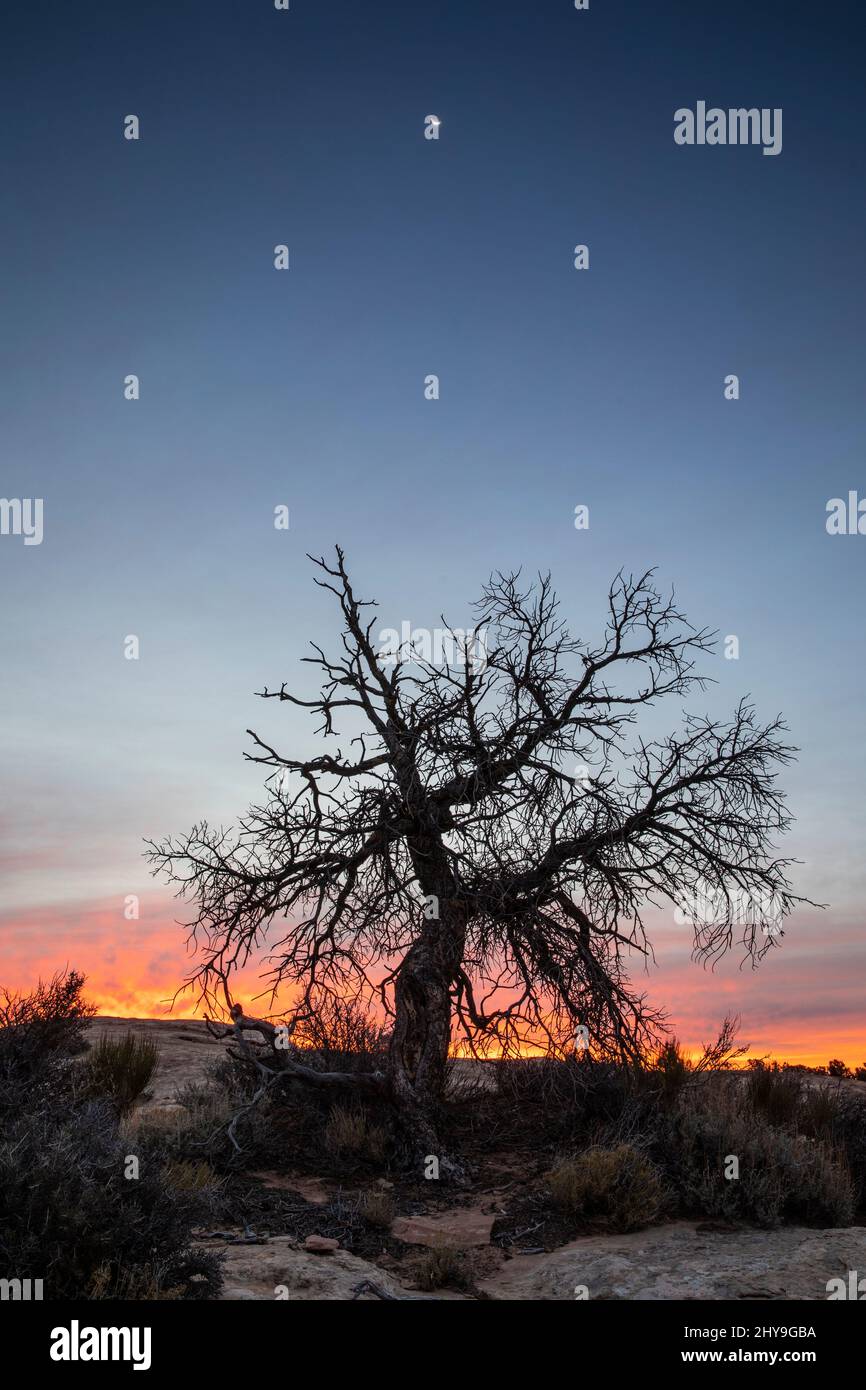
418, 1056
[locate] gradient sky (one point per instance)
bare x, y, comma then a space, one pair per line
558, 387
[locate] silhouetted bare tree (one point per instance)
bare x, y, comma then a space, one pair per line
483, 856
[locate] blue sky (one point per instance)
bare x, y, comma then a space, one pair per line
305, 387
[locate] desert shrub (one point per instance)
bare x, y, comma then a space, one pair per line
294, 1124
781, 1174
121, 1069
833, 1116
836, 1067
560, 1101
820, 1112
774, 1093
699, 1142
469, 1081
69, 1214
838, 1118
860, 1072
619, 1186
145, 1283
198, 1127
39, 1033
668, 1073
340, 1036
827, 1197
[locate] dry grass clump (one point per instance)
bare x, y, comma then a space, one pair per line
378, 1209
350, 1132
444, 1267
617, 1186
121, 1069
186, 1176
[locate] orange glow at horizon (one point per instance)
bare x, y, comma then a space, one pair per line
804, 1005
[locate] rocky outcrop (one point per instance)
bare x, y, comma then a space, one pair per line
680, 1261
686, 1261
280, 1270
